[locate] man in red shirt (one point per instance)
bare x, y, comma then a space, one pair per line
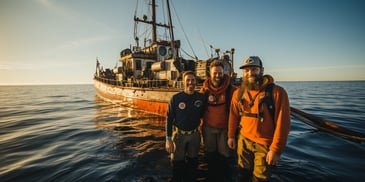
220, 158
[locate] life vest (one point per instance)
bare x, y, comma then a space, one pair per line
212, 99
268, 100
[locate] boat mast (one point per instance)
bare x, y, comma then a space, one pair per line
154, 31
170, 24
153, 22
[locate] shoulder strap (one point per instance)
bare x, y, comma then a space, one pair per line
269, 99
239, 98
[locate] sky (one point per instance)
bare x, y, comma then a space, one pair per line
58, 41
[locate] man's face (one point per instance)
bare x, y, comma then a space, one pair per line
216, 75
190, 83
252, 76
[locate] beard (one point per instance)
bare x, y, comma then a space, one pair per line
253, 82
216, 82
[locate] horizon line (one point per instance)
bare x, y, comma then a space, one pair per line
90, 83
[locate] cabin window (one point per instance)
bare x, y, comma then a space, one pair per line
148, 65
138, 64
162, 50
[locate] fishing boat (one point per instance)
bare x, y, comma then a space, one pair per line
148, 75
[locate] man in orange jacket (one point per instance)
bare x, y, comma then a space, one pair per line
262, 136
220, 158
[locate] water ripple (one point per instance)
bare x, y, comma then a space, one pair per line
66, 133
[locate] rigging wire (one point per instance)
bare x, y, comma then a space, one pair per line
186, 37
205, 48
147, 32
192, 57
165, 35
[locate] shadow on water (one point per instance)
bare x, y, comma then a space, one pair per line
138, 139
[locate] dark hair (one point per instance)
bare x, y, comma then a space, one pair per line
188, 73
216, 63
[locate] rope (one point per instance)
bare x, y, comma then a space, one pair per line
182, 28
192, 57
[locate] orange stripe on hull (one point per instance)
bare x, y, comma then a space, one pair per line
159, 108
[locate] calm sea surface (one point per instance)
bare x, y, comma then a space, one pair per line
66, 133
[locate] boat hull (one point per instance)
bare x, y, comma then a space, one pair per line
154, 100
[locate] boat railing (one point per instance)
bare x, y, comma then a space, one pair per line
142, 83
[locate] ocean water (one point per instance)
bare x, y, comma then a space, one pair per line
66, 133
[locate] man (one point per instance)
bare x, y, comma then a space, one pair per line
184, 113
220, 158
262, 136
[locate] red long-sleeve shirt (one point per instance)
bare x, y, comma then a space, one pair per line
216, 114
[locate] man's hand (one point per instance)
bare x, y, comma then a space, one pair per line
169, 146
272, 158
231, 142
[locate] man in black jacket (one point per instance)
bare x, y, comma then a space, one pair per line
182, 134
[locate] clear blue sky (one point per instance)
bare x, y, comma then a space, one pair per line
57, 41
